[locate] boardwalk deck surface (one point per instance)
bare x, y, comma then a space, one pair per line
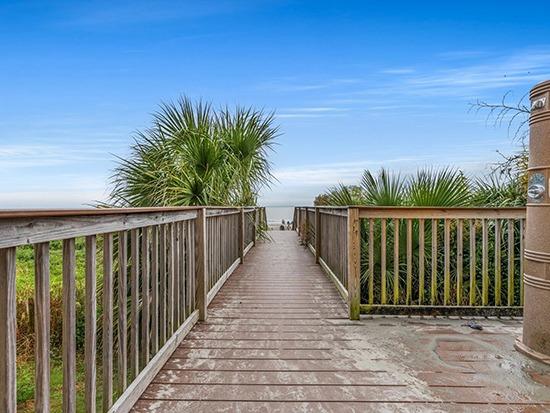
278, 339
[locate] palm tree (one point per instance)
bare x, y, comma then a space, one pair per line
194, 155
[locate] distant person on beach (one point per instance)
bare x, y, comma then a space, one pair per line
282, 227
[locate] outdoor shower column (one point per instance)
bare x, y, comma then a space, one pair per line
536, 321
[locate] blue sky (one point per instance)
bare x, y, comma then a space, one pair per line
354, 84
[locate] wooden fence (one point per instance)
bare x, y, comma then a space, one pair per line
156, 268
420, 260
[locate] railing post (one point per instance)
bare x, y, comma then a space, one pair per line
354, 263
306, 229
7, 327
241, 235
317, 234
200, 246
254, 226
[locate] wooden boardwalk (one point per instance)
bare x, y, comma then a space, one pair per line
278, 338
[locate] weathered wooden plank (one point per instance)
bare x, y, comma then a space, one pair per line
134, 302
21, 231
472, 255
145, 296
396, 224
433, 285
459, 260
122, 310
154, 289
42, 326
182, 265
162, 290
371, 261
421, 260
317, 235
498, 268
200, 275
241, 235
354, 263
447, 262
107, 322
8, 311
484, 263
177, 301
383, 282
90, 311
69, 326
171, 237
441, 213
408, 295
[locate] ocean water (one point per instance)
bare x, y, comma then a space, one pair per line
275, 214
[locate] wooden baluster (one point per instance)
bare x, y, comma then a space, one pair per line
69, 326
145, 296
107, 322
241, 236
155, 289
447, 262
484, 263
177, 237
371, 261
408, 296
354, 262
200, 246
195, 255
472, 252
511, 263
90, 326
134, 302
171, 277
122, 310
8, 312
421, 260
383, 284
41, 327
459, 260
183, 266
317, 235
433, 287
396, 261
162, 284
498, 269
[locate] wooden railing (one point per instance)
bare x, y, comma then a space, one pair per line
156, 269
422, 260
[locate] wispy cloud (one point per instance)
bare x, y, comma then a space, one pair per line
398, 71
463, 54
311, 112
34, 155
140, 11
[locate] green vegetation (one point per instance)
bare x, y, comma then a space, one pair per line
25, 322
438, 188
195, 155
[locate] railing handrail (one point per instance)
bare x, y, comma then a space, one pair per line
69, 212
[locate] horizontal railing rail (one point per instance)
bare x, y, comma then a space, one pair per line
149, 274
430, 260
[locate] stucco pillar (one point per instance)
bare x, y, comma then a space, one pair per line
536, 317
